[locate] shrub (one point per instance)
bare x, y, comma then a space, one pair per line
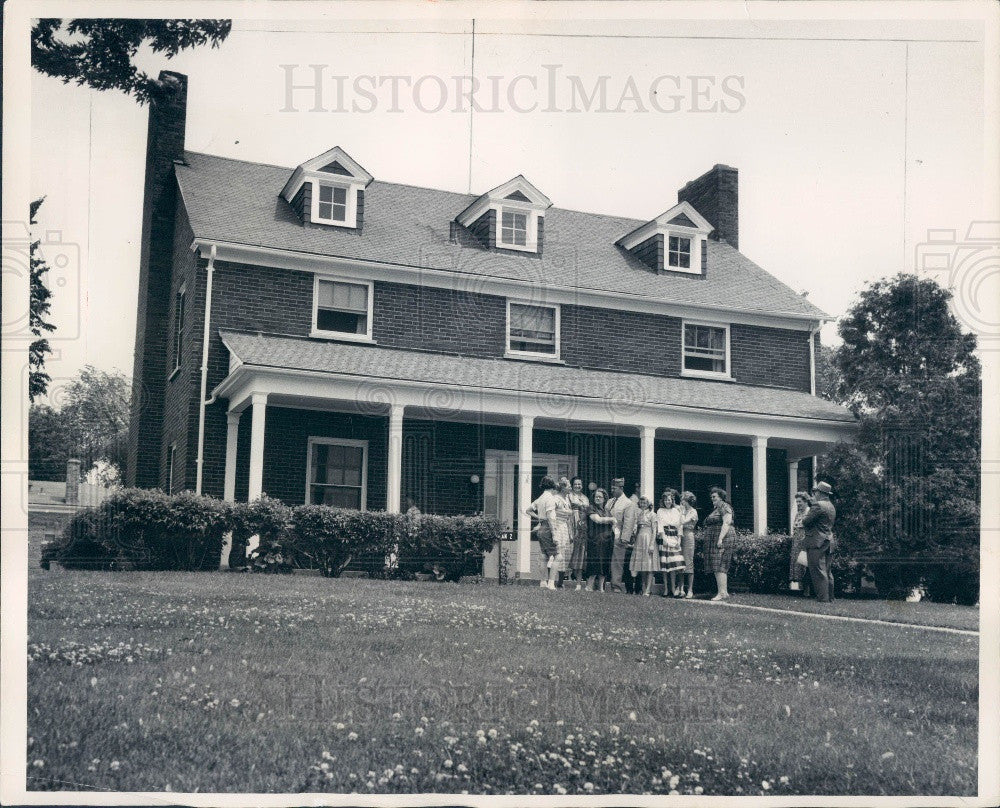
329, 539
267, 518
146, 529
448, 545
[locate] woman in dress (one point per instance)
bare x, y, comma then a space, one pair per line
561, 532
544, 510
600, 536
671, 559
646, 554
578, 530
798, 579
719, 540
689, 516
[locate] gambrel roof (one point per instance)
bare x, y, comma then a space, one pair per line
239, 202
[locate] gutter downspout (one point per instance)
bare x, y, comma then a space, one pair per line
202, 403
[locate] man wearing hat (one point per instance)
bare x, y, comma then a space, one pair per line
625, 513
818, 540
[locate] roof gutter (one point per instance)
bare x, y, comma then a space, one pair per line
202, 403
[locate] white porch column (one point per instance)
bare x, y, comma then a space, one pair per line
760, 484
259, 406
232, 436
524, 458
229, 486
647, 479
394, 481
793, 487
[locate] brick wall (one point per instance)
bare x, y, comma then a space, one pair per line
776, 357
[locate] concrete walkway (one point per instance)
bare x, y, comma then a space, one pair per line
731, 605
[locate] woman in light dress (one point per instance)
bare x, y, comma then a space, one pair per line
671, 559
578, 530
646, 554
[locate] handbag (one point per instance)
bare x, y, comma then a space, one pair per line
802, 559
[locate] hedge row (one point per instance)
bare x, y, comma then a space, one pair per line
760, 564
148, 530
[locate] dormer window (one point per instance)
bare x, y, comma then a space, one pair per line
514, 229
332, 204
329, 190
679, 253
675, 241
510, 217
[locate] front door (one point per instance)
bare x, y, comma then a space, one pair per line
700, 480
500, 496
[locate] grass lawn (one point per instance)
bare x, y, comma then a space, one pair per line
214, 682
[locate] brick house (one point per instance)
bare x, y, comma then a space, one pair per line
368, 342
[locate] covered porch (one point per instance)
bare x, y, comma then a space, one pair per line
373, 428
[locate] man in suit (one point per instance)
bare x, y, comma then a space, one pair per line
818, 541
625, 513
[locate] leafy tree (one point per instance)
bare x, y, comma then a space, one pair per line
38, 379
827, 379
909, 486
101, 52
92, 425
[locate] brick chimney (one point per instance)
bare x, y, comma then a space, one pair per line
715, 195
164, 145
72, 481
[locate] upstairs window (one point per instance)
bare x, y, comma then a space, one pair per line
532, 330
342, 309
332, 204
706, 350
514, 228
179, 301
337, 473
679, 252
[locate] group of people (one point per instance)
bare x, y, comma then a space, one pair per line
613, 542
596, 541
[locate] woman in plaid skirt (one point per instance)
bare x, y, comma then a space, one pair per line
671, 557
719, 540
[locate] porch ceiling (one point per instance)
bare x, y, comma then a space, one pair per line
547, 384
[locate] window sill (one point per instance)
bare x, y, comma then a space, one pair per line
337, 336
529, 357
718, 377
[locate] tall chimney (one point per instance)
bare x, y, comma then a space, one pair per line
715, 195
164, 145
72, 481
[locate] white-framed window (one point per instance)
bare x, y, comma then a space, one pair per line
532, 330
171, 458
342, 308
180, 299
678, 252
334, 204
514, 228
337, 472
517, 228
705, 350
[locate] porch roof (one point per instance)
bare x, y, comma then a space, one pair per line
304, 354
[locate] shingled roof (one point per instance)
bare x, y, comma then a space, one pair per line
239, 202
373, 362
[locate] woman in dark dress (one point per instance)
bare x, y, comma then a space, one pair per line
719, 540
600, 537
578, 530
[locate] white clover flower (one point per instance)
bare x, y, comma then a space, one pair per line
765, 785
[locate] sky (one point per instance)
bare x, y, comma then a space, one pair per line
852, 140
